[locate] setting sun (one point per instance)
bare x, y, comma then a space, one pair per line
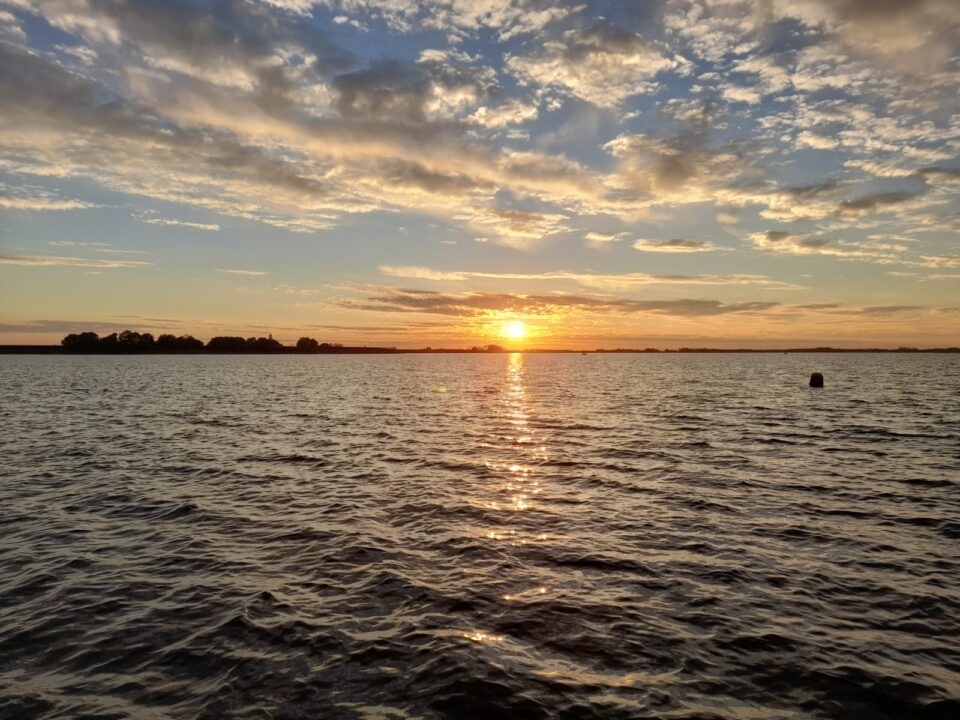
513, 330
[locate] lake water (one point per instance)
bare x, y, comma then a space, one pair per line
492, 536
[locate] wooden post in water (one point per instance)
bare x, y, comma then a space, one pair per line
816, 380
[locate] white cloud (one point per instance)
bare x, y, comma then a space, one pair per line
603, 65
606, 281
53, 261
42, 203
820, 142
737, 93
603, 238
512, 112
207, 227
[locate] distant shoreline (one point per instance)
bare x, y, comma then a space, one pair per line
364, 350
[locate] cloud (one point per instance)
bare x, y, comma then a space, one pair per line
941, 261
344, 20
251, 111
877, 202
170, 222
390, 143
483, 304
458, 19
439, 86
685, 167
69, 326
830, 199
911, 35
62, 121
607, 281
515, 228
51, 261
41, 203
512, 112
675, 245
10, 27
96, 247
867, 311
781, 241
813, 140
902, 36
885, 310
251, 273
603, 65
603, 238
228, 44
736, 93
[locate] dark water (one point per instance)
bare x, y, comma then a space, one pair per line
544, 536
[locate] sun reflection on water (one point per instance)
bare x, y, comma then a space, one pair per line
522, 484
515, 461
479, 636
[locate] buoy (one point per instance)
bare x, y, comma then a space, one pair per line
816, 380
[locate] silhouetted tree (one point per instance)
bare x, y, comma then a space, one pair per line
260, 345
110, 343
81, 342
128, 341
223, 343
184, 343
189, 343
307, 345
232, 344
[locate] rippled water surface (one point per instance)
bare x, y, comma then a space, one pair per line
494, 536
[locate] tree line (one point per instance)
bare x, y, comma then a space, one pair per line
130, 341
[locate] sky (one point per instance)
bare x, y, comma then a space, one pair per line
725, 173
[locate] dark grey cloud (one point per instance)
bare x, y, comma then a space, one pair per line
776, 235
831, 198
938, 175
877, 202
398, 91
385, 90
790, 242
814, 190
889, 309
604, 38
678, 243
813, 242
867, 311
773, 237
412, 174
